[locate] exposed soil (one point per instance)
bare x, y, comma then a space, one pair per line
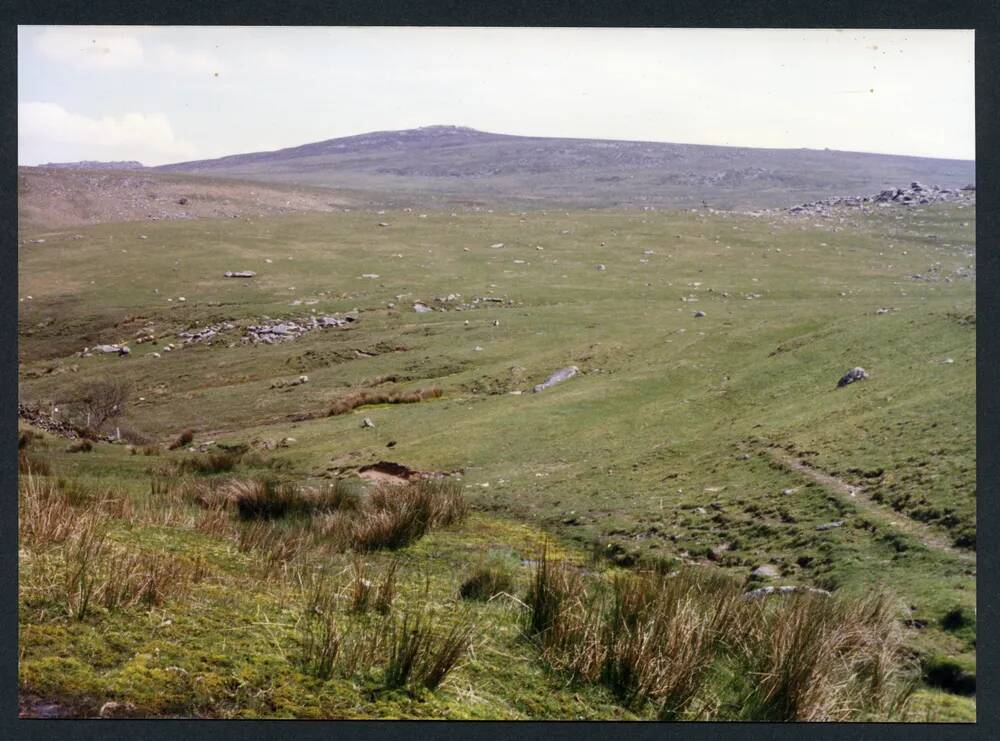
388, 472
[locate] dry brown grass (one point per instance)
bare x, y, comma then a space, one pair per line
365, 397
49, 512
182, 440
30, 463
815, 658
656, 638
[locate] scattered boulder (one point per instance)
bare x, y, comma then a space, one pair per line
366, 422
602, 267
830, 525
421, 308
699, 313
116, 349
563, 374
854, 374
766, 571
239, 274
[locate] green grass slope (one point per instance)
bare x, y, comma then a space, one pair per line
677, 440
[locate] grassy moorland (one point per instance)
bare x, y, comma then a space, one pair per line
715, 443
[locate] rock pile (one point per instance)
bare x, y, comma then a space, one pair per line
38, 418
453, 302
204, 333
271, 331
916, 195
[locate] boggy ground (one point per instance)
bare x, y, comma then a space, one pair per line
661, 449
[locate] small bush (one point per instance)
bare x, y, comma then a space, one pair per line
182, 440
103, 401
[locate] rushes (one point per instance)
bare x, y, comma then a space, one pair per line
664, 638
410, 649
417, 656
824, 659
366, 397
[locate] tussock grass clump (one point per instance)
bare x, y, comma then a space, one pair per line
823, 659
51, 511
182, 440
486, 582
365, 593
444, 654
345, 641
395, 516
336, 645
147, 578
280, 545
366, 397
209, 463
270, 499
30, 463
26, 437
82, 446
689, 640
418, 656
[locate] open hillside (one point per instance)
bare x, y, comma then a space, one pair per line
61, 196
703, 432
452, 165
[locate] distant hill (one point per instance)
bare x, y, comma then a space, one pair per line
95, 165
53, 198
459, 165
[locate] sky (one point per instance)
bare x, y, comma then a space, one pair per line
160, 94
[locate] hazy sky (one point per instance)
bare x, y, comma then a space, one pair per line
166, 94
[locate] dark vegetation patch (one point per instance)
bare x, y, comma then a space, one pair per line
950, 674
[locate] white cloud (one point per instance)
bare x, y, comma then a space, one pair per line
46, 132
92, 49
177, 60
